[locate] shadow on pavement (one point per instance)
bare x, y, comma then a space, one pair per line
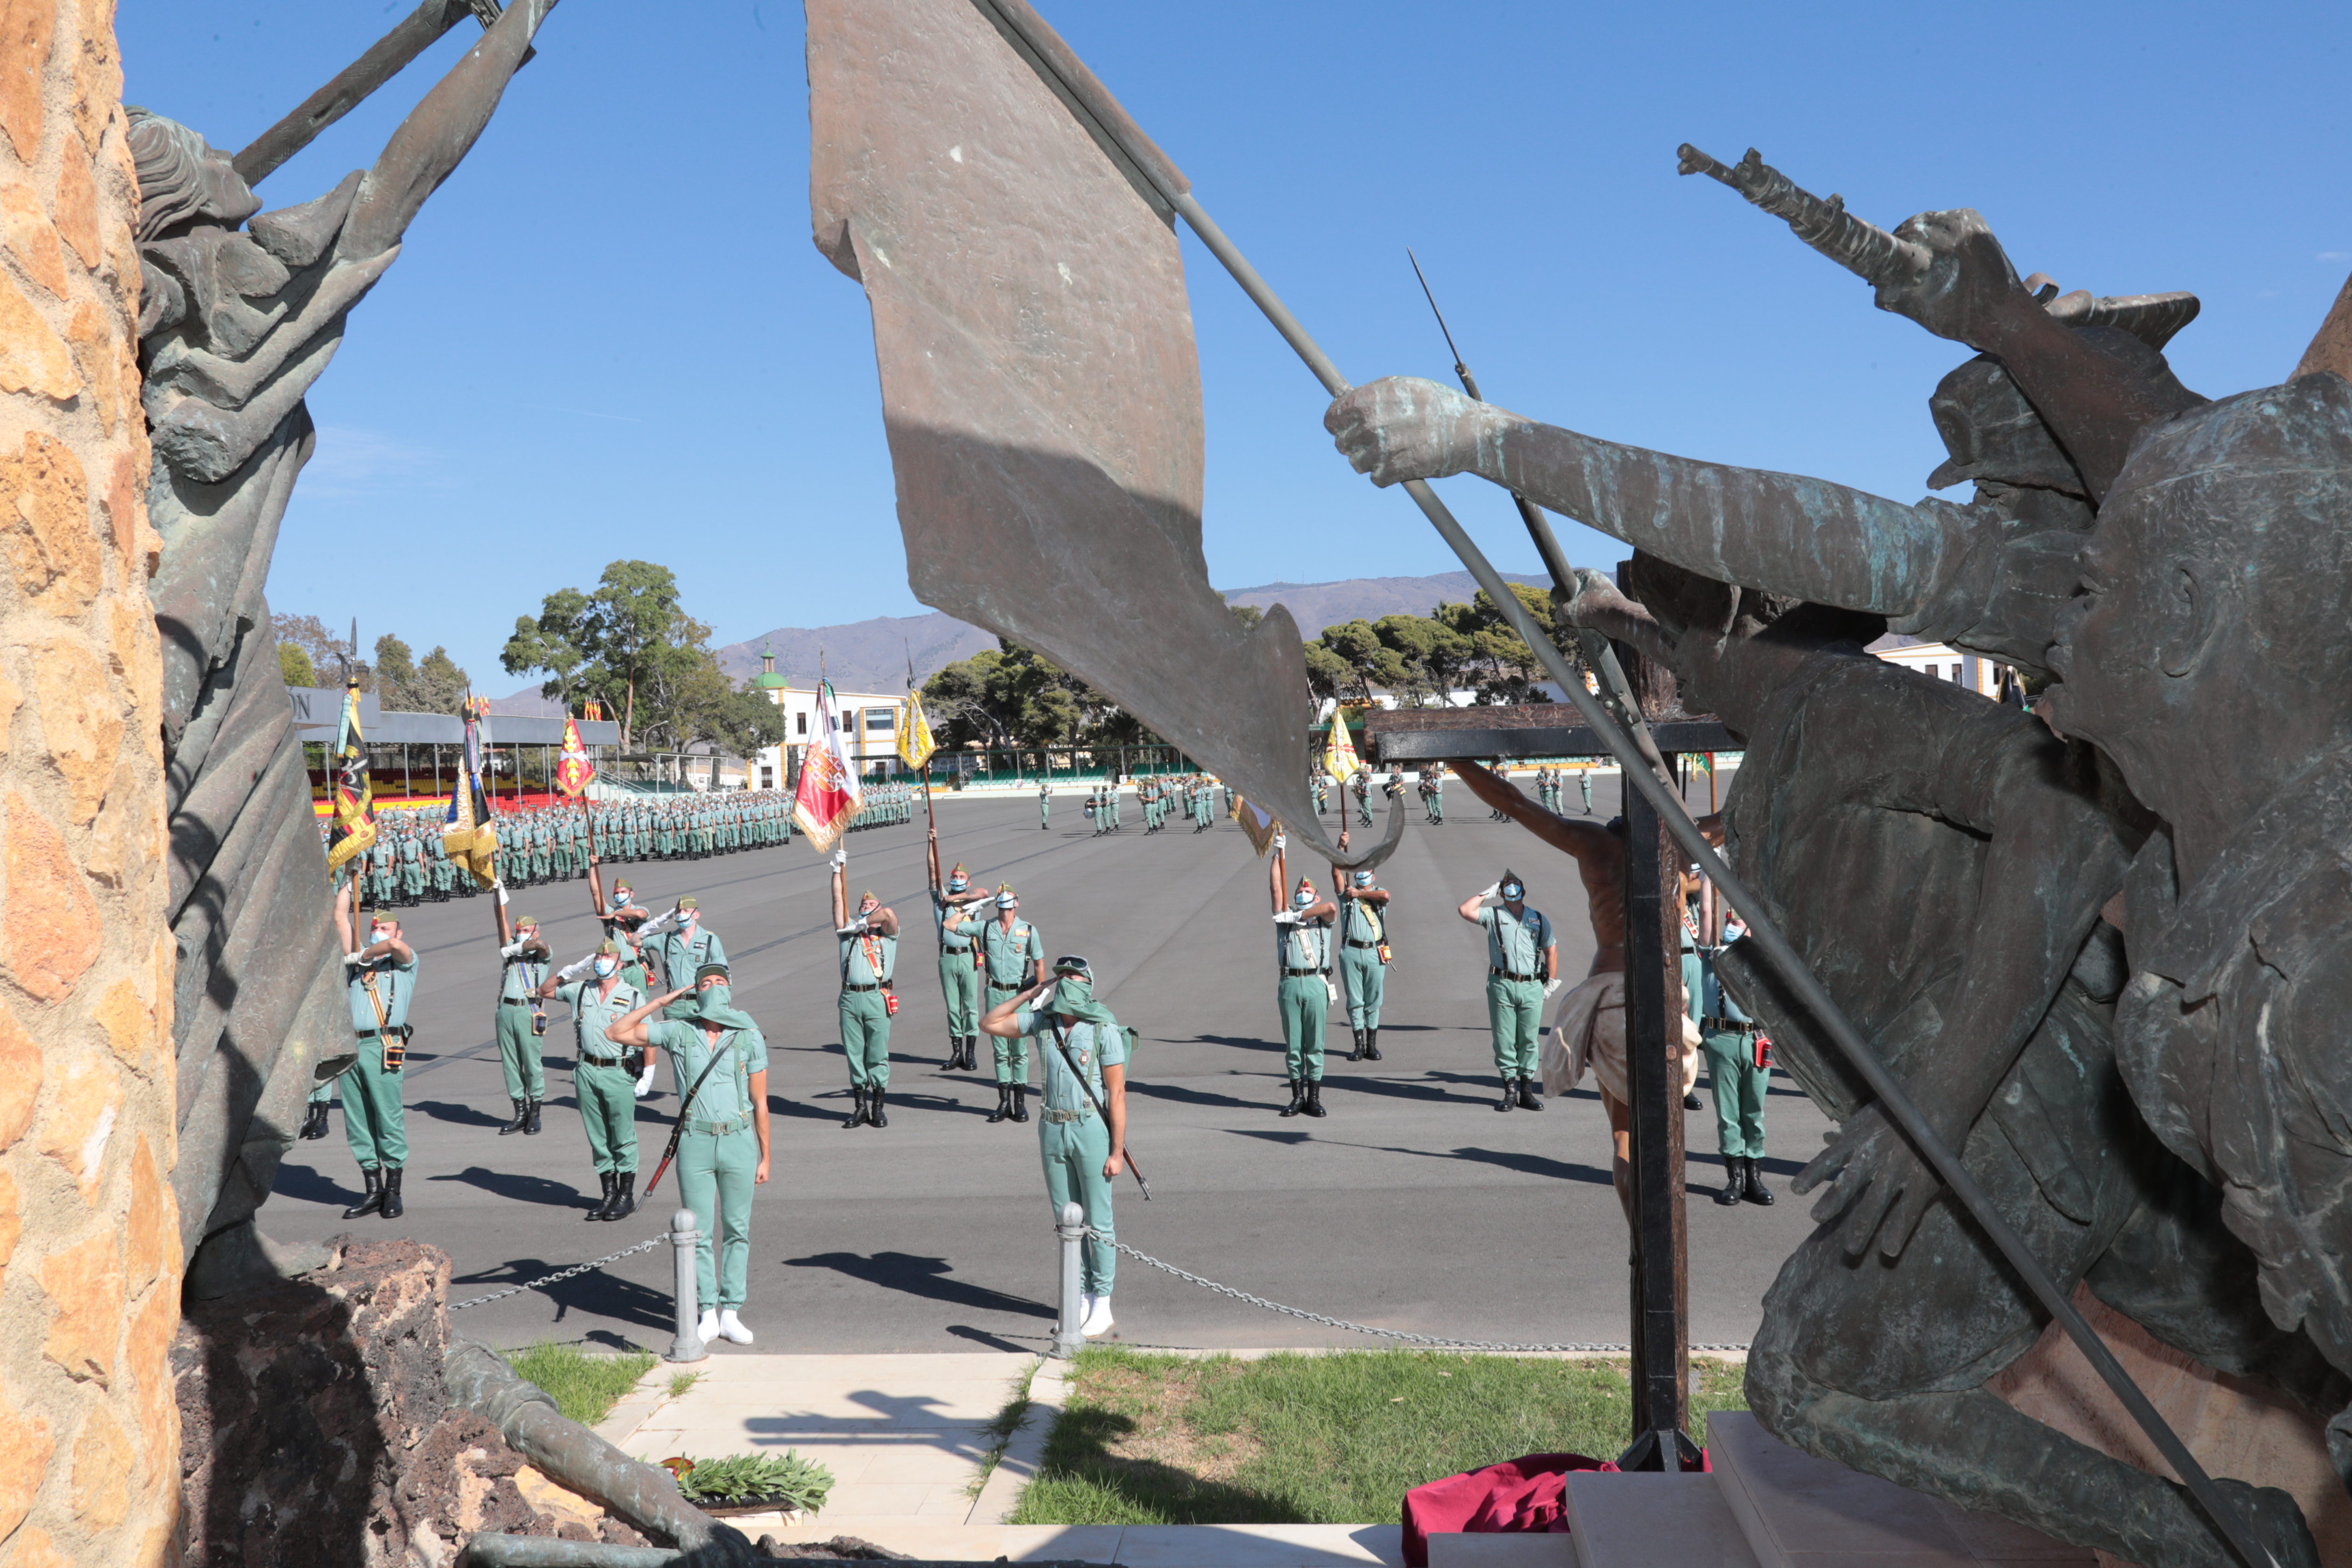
463, 1115
1408, 1090
311, 1185
521, 1188
993, 1342
925, 1276
1187, 1096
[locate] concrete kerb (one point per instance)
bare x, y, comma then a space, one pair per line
1025, 1451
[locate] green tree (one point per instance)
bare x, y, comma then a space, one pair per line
440, 685
626, 634
395, 672
295, 666
329, 654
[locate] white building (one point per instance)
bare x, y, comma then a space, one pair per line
869, 719
1944, 662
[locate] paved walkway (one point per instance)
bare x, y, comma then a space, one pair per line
904, 1437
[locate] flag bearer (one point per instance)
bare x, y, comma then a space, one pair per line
519, 1019
1302, 993
1363, 954
1084, 1049
1012, 954
869, 959
721, 1061
382, 980
604, 1080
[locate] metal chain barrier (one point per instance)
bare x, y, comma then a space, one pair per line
646, 1246
1360, 1328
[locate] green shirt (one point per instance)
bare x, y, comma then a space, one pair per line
1007, 950
1515, 943
1363, 922
726, 1094
520, 978
1307, 945
395, 983
860, 954
680, 958
1093, 1046
960, 939
592, 1013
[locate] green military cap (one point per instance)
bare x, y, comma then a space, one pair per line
689, 903
709, 971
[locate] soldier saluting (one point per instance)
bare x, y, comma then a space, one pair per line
1363, 952
519, 1022
382, 980
1302, 992
1011, 953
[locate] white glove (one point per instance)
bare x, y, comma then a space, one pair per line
1491, 897
353, 961
511, 950
1286, 917
1281, 842
646, 1078
853, 928
661, 925
1551, 987
840, 857
579, 969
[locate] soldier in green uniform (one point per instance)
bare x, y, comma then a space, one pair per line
1741, 1074
1302, 955
719, 1060
1363, 954
1584, 783
379, 875
870, 958
1012, 955
1522, 969
624, 919
602, 1077
1082, 1047
382, 980
1361, 784
683, 945
1044, 802
954, 920
411, 866
438, 867
520, 1021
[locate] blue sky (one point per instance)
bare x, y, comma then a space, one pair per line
609, 335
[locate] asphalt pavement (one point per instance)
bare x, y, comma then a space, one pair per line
1413, 1205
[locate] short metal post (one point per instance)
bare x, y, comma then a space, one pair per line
683, 1235
1067, 1339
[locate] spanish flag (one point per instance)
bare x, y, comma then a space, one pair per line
830, 790
354, 827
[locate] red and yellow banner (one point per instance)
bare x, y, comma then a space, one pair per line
573, 772
830, 790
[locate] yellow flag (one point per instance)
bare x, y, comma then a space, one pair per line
1340, 759
1257, 823
915, 743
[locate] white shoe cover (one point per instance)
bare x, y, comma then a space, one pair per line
1097, 1320
707, 1328
731, 1329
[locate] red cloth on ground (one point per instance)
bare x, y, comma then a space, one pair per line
1521, 1494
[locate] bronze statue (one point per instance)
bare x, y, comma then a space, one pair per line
2199, 676
236, 321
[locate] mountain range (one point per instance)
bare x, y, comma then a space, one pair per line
872, 655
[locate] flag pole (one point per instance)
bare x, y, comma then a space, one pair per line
1095, 109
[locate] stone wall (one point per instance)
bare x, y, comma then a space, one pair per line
90, 1247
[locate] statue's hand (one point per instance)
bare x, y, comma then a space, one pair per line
1967, 285
1876, 1180
1591, 598
1403, 427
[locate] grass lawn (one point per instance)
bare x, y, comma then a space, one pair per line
584, 1388
1317, 1439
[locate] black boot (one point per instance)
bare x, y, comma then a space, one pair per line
393, 1207
1510, 1094
1753, 1188
314, 1120
1358, 1054
624, 1196
1690, 1101
1528, 1097
1003, 1104
1297, 1097
521, 1121
1020, 1102
955, 1054
603, 1179
1372, 1044
1734, 1180
857, 1117
374, 1198
874, 1115
1314, 1105
531, 1119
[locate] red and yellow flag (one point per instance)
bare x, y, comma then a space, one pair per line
354, 827
830, 790
574, 771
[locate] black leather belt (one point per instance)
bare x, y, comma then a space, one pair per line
600, 1061
1299, 972
1734, 1026
847, 987
1353, 943
1506, 974
514, 1001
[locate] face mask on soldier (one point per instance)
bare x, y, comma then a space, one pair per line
605, 968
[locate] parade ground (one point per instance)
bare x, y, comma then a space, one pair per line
1413, 1205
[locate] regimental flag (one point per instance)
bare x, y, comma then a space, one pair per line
830, 793
1040, 386
915, 741
468, 836
573, 772
355, 793
1259, 824
1340, 759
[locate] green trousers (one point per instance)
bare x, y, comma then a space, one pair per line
1074, 1152
519, 1053
1045, 809
374, 1117
322, 1093
1012, 1056
608, 1111
1303, 1003
1515, 1011
865, 1037
714, 1180
1738, 1093
1364, 978
959, 983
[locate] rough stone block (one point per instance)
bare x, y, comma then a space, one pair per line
51, 542
50, 926
84, 1284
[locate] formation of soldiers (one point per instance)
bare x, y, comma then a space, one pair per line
1551, 781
